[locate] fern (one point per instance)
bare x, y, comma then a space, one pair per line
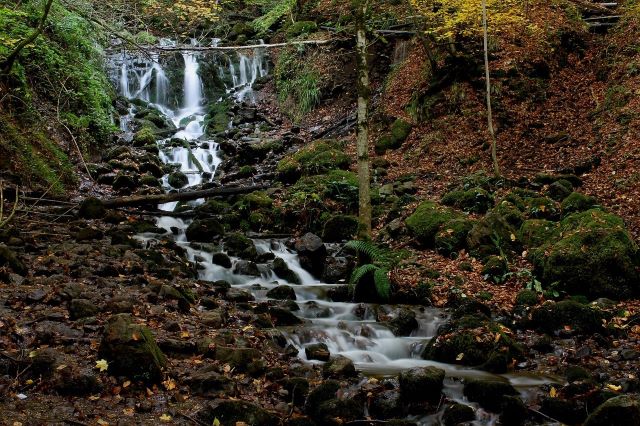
366, 249
380, 279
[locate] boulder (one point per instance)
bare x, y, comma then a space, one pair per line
387, 405
246, 267
131, 350
452, 236
240, 246
317, 351
403, 323
475, 200
178, 180
91, 208
232, 412
82, 308
9, 258
457, 413
421, 384
426, 221
221, 259
336, 269
621, 410
339, 367
282, 270
297, 388
238, 358
340, 228
488, 393
282, 292
207, 381
312, 253
204, 230
554, 316
577, 202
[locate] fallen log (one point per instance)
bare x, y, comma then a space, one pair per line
138, 200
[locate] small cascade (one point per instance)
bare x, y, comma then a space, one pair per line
192, 83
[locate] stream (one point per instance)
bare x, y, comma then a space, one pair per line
349, 329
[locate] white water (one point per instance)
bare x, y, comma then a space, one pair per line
349, 329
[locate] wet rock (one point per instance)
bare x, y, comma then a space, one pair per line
178, 180
82, 308
553, 316
119, 305
124, 181
213, 319
282, 270
91, 208
340, 294
569, 412
621, 410
282, 292
48, 332
297, 390
336, 269
457, 413
311, 252
340, 228
45, 361
317, 351
514, 412
131, 349
240, 246
421, 383
335, 412
204, 230
403, 323
488, 393
246, 267
208, 382
9, 258
74, 380
238, 295
387, 405
283, 316
221, 259
339, 367
238, 358
231, 412
87, 234
326, 391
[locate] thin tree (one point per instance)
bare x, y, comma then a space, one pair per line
7, 64
494, 155
364, 197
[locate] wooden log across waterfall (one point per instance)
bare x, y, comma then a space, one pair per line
138, 200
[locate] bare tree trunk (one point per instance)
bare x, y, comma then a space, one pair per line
364, 197
7, 64
494, 155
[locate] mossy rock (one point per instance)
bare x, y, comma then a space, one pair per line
577, 202
457, 413
316, 158
288, 170
542, 208
559, 190
301, 28
131, 350
204, 230
239, 245
212, 207
452, 236
536, 232
517, 197
527, 298
144, 136
426, 221
91, 208
9, 258
232, 412
178, 180
421, 384
494, 268
594, 256
490, 235
554, 316
621, 410
547, 179
475, 200
339, 228
399, 132
258, 200
510, 212
488, 393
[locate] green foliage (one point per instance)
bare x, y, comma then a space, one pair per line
375, 264
365, 249
273, 11
297, 83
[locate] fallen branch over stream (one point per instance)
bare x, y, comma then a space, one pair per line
190, 48
138, 200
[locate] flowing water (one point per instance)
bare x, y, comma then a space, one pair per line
349, 329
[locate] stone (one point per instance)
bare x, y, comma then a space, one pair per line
488, 393
131, 350
208, 382
282, 270
387, 405
9, 258
246, 267
82, 308
297, 390
403, 323
317, 351
238, 358
457, 413
621, 410
421, 383
339, 367
340, 228
282, 292
178, 180
221, 259
204, 230
91, 208
232, 412
312, 253
283, 316
336, 269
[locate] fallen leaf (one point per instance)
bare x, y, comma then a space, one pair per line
102, 365
553, 392
615, 388
165, 418
460, 356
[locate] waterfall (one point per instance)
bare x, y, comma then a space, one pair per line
124, 80
192, 83
162, 84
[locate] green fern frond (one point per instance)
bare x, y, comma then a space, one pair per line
382, 283
365, 248
360, 272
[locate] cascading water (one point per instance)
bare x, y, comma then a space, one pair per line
349, 329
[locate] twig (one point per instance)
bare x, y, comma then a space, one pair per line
196, 421
543, 415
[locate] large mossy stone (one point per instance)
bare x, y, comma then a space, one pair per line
475, 200
240, 246
399, 132
426, 221
536, 232
232, 412
457, 413
282, 270
91, 208
594, 256
488, 393
204, 230
421, 384
178, 180
452, 236
9, 258
143, 137
621, 410
553, 316
577, 202
339, 228
131, 350
491, 235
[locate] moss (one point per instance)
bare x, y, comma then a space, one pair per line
526, 298
339, 228
217, 118
426, 221
577, 202
178, 180
542, 208
492, 235
301, 28
452, 236
547, 179
553, 316
536, 232
475, 200
257, 200
494, 268
510, 212
239, 245
399, 132
144, 136
488, 393
316, 158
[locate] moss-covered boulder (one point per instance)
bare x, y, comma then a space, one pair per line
9, 258
257, 200
488, 393
316, 158
426, 220
526, 298
204, 230
131, 350
542, 208
475, 200
510, 212
240, 246
143, 137
577, 202
91, 208
301, 28
621, 410
178, 180
452, 236
399, 132
339, 228
559, 190
457, 413
231, 412
554, 316
594, 256
491, 235
536, 232
421, 384
494, 268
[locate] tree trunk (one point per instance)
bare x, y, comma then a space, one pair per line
364, 197
494, 155
7, 64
